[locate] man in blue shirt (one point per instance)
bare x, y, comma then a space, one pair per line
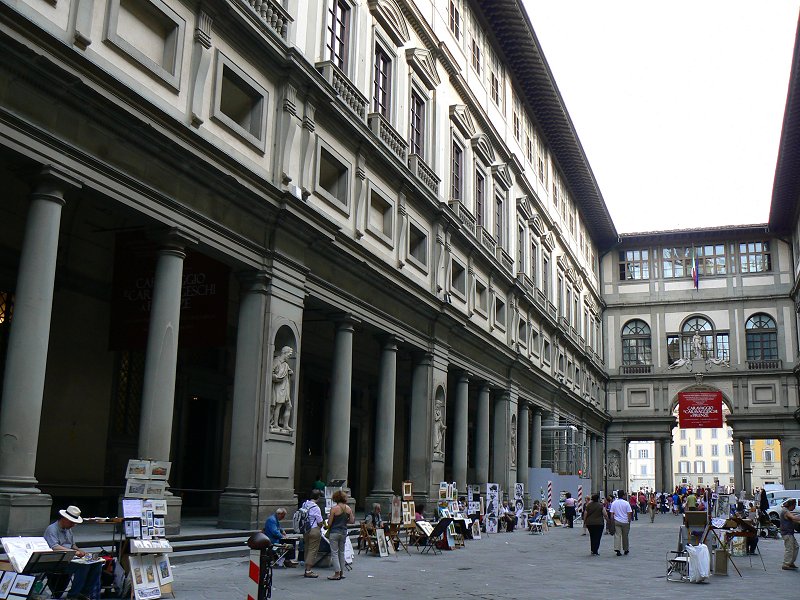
275, 533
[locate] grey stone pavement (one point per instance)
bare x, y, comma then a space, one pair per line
509, 566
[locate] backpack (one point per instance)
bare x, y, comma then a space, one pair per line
300, 521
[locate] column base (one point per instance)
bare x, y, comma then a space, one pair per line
24, 514
173, 522
384, 498
239, 510
270, 500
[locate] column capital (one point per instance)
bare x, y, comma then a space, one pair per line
464, 376
52, 183
388, 341
256, 282
345, 321
423, 357
173, 240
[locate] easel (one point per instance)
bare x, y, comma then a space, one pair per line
710, 529
439, 532
393, 533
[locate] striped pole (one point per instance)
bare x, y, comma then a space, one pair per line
255, 571
579, 507
549, 494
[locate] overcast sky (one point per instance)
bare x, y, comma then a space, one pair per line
678, 105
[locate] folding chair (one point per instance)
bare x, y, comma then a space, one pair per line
393, 533
367, 541
536, 526
437, 535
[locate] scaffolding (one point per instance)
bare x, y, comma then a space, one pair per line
564, 450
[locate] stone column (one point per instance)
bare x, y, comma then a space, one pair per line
523, 451
482, 436
658, 467
384, 419
24, 510
460, 429
239, 503
597, 463
669, 468
161, 358
536, 440
420, 442
501, 466
747, 467
737, 464
341, 385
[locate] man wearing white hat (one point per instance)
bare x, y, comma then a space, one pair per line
85, 578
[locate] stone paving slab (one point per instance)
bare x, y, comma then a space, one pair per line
509, 566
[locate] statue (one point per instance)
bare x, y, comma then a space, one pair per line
794, 465
438, 427
613, 466
697, 346
681, 362
513, 440
720, 362
281, 418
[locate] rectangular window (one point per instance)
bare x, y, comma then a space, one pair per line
698, 434
458, 278
698, 451
521, 249
454, 20
381, 82
730, 468
769, 455
529, 148
337, 32
475, 51
714, 450
516, 118
480, 190
643, 453
683, 466
534, 259
684, 451
728, 449
499, 313
418, 245
381, 217
499, 221
481, 297
683, 434
240, 103
332, 177
715, 466
417, 125
676, 262
546, 275
643, 469
714, 433
754, 257
673, 348
711, 259
634, 264
699, 466
456, 171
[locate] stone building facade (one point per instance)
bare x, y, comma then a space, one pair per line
272, 240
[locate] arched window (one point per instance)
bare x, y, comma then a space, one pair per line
762, 338
636, 343
714, 344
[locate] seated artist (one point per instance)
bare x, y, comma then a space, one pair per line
275, 533
85, 578
507, 517
374, 520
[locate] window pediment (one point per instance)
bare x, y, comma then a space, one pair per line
459, 114
389, 15
536, 222
424, 66
483, 148
549, 241
524, 207
502, 174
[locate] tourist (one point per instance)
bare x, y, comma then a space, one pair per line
634, 504
622, 511
691, 501
609, 515
651, 507
594, 516
642, 501
583, 515
787, 521
569, 509
374, 520
275, 533
338, 519
312, 537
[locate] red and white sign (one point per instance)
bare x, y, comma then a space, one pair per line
698, 410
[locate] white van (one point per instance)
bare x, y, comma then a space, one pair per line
777, 498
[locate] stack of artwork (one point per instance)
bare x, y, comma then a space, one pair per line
144, 510
15, 585
492, 507
474, 506
408, 508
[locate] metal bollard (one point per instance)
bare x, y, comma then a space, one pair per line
261, 558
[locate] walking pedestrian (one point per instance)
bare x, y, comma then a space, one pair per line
311, 538
609, 516
594, 516
569, 509
787, 520
634, 506
623, 515
651, 507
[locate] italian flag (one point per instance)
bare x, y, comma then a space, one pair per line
695, 270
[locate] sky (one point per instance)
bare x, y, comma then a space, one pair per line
678, 105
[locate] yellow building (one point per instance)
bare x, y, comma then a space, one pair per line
766, 461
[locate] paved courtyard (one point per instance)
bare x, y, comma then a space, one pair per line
508, 566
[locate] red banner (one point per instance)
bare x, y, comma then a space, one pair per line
698, 410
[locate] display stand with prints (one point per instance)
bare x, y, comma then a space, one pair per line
144, 512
